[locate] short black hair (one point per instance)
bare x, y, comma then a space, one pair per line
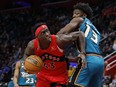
85, 8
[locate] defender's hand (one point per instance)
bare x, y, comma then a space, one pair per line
16, 85
82, 56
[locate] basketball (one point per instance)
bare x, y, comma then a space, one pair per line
33, 64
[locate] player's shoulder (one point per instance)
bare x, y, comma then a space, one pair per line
18, 63
31, 43
53, 35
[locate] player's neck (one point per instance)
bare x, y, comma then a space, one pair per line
44, 44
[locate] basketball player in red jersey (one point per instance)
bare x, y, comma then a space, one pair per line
50, 49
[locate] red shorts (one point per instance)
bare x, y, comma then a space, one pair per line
45, 80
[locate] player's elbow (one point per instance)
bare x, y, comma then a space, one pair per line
78, 34
81, 34
15, 77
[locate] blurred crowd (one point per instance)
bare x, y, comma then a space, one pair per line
108, 81
16, 30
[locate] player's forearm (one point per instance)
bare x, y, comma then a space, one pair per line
81, 40
66, 30
15, 80
79, 37
25, 56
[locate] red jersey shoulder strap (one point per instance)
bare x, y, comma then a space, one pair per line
54, 42
53, 38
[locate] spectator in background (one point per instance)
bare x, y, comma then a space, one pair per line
108, 82
114, 45
0, 74
114, 81
6, 75
107, 49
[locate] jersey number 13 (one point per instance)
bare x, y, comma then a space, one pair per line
94, 37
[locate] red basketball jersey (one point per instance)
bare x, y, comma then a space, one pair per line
53, 58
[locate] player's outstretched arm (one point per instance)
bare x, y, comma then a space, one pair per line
16, 74
71, 26
63, 39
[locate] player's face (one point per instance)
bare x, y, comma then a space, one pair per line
77, 13
45, 34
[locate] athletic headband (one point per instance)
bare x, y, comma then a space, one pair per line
39, 29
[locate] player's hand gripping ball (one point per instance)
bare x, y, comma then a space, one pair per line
33, 64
